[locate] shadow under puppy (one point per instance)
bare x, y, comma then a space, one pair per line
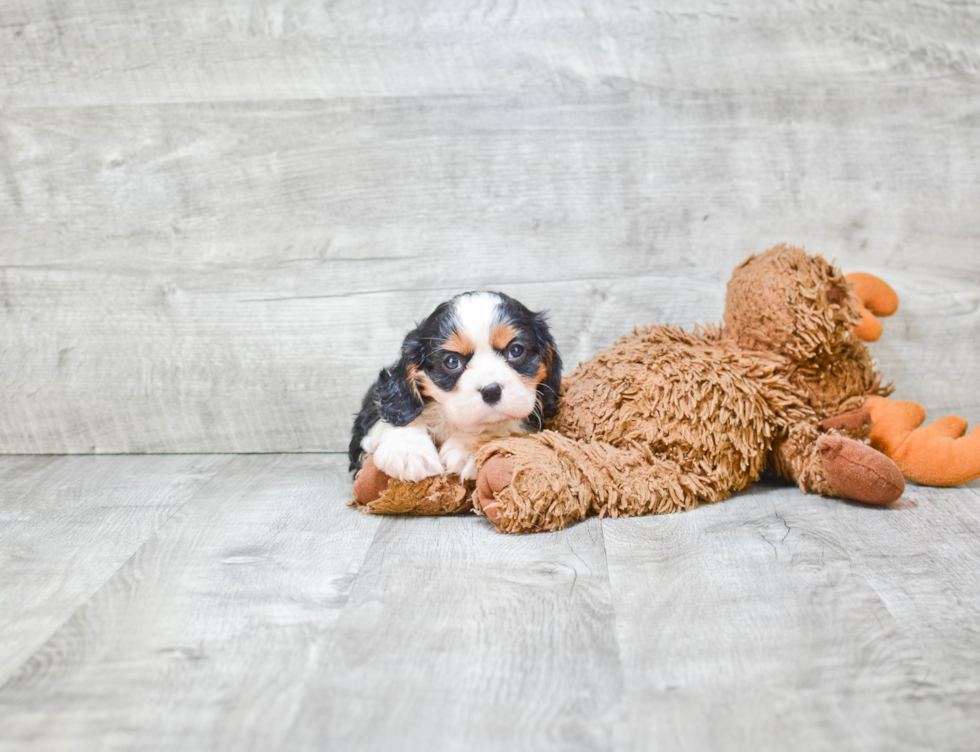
478, 367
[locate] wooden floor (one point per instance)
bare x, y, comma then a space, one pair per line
224, 602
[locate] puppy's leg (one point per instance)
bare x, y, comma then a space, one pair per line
456, 454
407, 453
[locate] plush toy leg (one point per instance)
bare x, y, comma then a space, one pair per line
876, 298
835, 464
858, 472
936, 455
376, 493
370, 482
547, 481
495, 475
795, 456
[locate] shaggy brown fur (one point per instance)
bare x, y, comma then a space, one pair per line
437, 495
665, 419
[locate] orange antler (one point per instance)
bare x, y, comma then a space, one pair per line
876, 298
937, 455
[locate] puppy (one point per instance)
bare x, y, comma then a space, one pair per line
480, 365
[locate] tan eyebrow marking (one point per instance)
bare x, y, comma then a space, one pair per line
461, 343
501, 336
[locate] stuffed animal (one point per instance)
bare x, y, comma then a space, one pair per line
666, 419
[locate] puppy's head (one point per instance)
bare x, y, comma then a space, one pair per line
483, 357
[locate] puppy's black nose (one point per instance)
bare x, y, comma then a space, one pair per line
491, 394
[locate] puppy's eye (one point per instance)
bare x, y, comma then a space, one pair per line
452, 363
515, 352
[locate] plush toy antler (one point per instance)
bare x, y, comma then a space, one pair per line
935, 455
876, 299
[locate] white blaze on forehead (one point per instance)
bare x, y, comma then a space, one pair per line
474, 316
463, 406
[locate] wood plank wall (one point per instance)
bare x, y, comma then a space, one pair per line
219, 218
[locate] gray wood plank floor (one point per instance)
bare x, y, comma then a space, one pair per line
235, 603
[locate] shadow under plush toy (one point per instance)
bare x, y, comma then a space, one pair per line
665, 419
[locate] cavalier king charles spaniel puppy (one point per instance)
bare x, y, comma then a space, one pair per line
481, 365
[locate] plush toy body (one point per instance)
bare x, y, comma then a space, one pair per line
666, 419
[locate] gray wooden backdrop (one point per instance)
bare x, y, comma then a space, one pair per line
217, 219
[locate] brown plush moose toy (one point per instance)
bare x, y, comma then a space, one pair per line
665, 419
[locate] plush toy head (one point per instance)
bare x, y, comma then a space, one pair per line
789, 302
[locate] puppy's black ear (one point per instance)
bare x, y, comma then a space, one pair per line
549, 386
397, 393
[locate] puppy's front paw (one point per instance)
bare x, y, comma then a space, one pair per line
408, 458
457, 455
462, 465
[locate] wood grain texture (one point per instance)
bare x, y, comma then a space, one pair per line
140, 51
226, 607
219, 220
67, 524
456, 637
263, 613
783, 620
